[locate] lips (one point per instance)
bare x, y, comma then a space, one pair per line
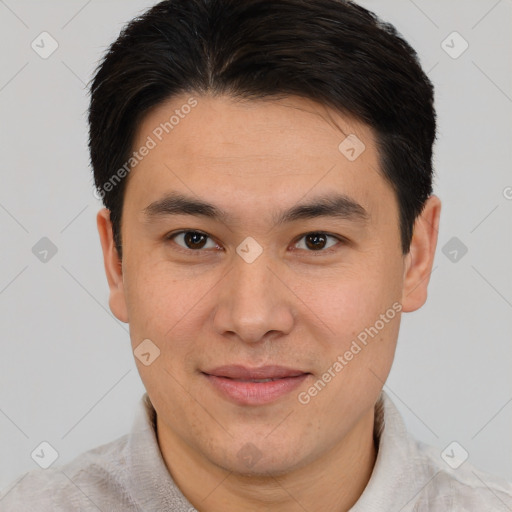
254, 386
242, 373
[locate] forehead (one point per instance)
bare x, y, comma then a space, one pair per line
226, 127
262, 151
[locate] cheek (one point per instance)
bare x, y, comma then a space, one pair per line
155, 299
362, 311
351, 299
171, 308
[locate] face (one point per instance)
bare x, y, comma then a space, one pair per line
255, 249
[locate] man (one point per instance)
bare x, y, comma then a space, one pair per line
266, 171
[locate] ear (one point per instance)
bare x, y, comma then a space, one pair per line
419, 260
113, 266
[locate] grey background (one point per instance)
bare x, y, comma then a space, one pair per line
67, 374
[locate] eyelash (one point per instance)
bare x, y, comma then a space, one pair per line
329, 250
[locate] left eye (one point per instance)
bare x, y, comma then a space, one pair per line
316, 241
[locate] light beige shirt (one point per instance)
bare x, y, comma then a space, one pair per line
129, 475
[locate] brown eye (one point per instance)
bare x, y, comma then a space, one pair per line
193, 240
317, 241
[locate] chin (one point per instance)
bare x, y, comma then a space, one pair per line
261, 458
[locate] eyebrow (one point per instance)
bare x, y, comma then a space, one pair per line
330, 205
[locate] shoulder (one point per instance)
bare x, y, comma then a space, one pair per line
453, 483
91, 481
412, 476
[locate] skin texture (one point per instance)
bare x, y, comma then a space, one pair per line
293, 306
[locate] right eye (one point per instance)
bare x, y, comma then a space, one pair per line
192, 240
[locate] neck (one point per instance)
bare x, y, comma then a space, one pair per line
332, 482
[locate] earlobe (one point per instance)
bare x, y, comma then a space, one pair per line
113, 266
420, 259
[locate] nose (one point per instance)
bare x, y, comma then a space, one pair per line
253, 303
